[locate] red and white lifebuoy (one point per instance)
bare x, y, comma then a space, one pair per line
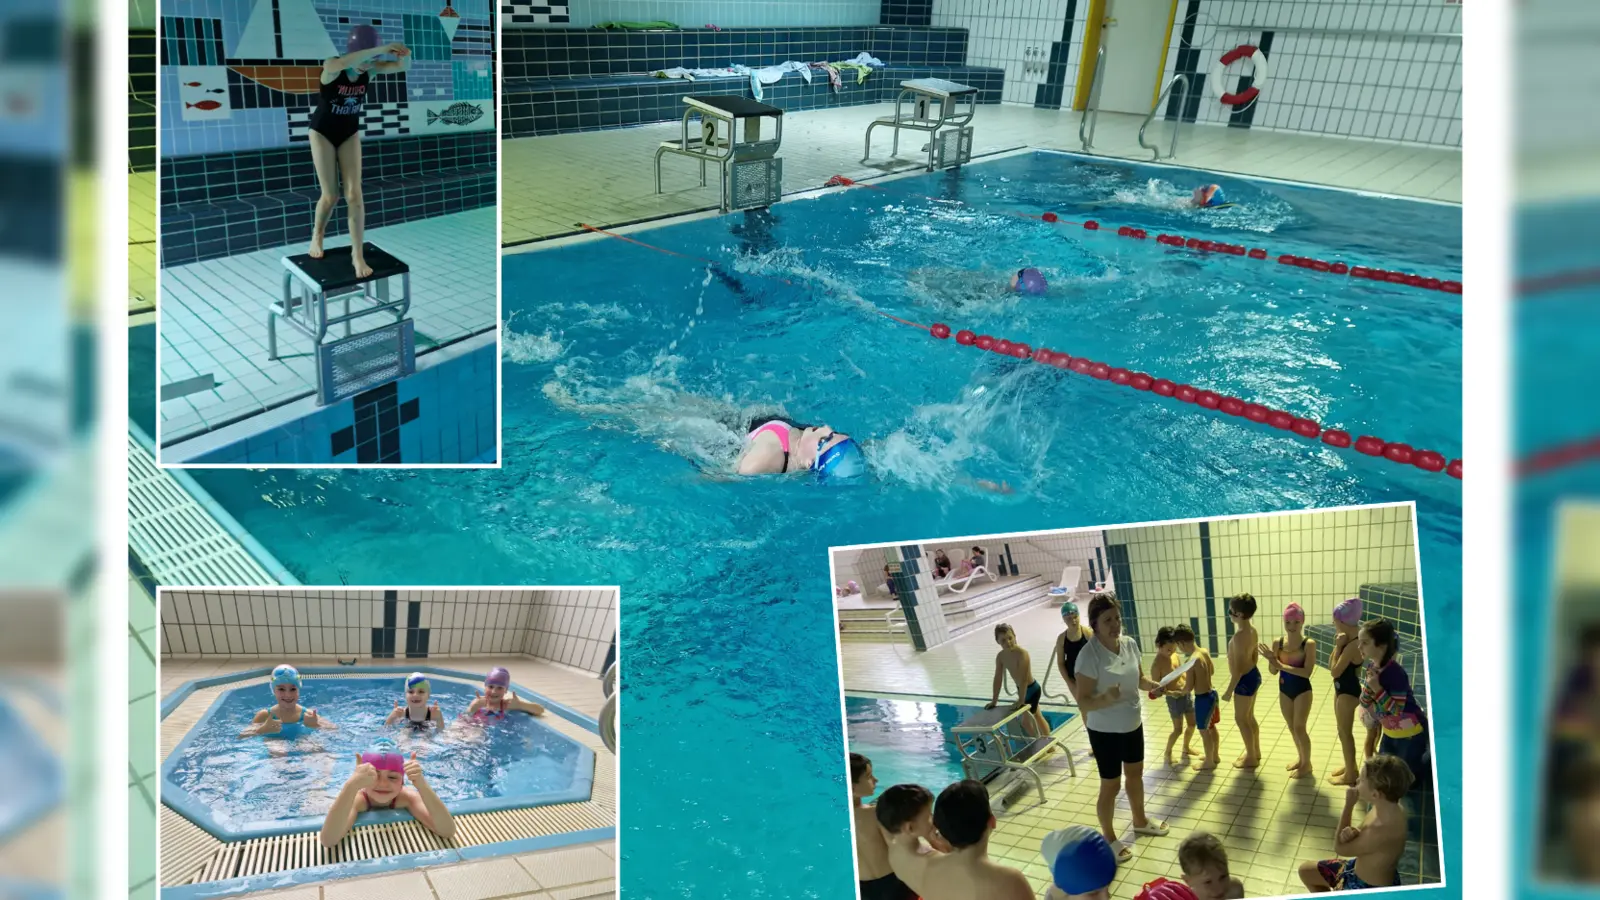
1220, 71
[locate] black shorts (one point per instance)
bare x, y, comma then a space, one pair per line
886, 888
1114, 749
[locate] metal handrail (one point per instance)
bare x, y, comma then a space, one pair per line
608, 723
608, 681
1091, 114
1173, 150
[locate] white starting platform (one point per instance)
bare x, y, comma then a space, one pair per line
356, 360
949, 130
993, 742
731, 135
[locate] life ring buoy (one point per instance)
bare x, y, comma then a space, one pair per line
1220, 70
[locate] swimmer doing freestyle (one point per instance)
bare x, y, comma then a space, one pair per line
779, 446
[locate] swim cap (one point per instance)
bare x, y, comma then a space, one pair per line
384, 756
842, 460
1069, 609
1031, 281
418, 680
1163, 889
851, 584
1216, 198
1081, 862
286, 675
498, 675
1348, 612
362, 37
1293, 613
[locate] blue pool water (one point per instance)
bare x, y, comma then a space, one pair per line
629, 374
247, 782
909, 742
1556, 362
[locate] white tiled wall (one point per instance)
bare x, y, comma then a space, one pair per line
1394, 82
726, 13
571, 627
1000, 32
1315, 559
1555, 109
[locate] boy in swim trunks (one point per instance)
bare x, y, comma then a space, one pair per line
379, 782
1179, 704
963, 819
1201, 683
496, 699
1370, 852
286, 718
1015, 660
878, 881
1244, 679
1205, 868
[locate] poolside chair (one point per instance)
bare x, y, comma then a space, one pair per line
958, 584
1068, 588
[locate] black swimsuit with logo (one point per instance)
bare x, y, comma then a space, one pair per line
341, 104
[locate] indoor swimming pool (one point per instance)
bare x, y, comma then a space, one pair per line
630, 377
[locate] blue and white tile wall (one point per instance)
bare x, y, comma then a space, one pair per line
445, 413
570, 627
243, 74
691, 13
919, 600
1036, 42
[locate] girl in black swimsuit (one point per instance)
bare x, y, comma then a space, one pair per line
1345, 664
335, 134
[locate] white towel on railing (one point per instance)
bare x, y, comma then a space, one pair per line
866, 59
772, 74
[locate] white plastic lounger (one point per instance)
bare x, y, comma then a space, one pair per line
957, 584
1068, 588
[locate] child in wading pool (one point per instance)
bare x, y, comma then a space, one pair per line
496, 699
379, 782
286, 718
417, 713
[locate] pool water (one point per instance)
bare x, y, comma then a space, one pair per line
630, 375
909, 741
1556, 362
248, 781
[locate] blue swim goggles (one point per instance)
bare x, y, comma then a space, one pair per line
843, 460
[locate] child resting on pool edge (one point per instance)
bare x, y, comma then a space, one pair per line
379, 783
417, 712
285, 718
496, 699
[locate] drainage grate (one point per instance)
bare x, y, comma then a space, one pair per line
363, 361
176, 539
756, 182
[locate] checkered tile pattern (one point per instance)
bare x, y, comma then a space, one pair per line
379, 120
534, 13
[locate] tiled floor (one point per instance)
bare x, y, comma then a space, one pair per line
607, 177
213, 317
567, 874
1266, 820
141, 241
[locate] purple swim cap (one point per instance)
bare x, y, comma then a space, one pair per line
1348, 612
384, 756
1031, 281
362, 37
498, 675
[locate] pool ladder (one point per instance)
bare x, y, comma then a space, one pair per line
608, 713
1176, 124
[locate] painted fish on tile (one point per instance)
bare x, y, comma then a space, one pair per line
191, 84
462, 113
207, 105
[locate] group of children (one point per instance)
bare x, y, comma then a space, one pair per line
380, 775
910, 844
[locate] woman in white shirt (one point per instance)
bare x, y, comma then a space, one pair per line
1111, 680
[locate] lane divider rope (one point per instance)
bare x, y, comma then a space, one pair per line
1208, 246
1369, 445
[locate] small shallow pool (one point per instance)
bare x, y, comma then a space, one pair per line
239, 788
909, 741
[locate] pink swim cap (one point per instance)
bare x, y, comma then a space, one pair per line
384, 756
1293, 613
1348, 612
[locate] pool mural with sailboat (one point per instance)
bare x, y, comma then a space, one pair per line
327, 206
